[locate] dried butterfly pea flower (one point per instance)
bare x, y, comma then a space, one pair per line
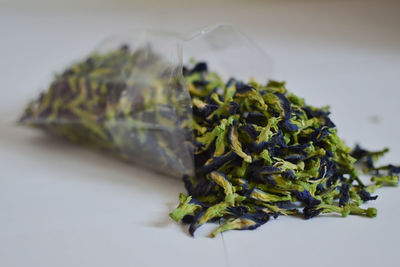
271, 149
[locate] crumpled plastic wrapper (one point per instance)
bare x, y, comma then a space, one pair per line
129, 96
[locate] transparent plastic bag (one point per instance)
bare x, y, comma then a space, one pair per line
129, 97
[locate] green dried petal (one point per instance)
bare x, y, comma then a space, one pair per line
184, 208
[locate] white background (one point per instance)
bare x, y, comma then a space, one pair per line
61, 205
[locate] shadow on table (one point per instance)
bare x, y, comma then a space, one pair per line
62, 155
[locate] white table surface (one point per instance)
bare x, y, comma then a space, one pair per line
62, 205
